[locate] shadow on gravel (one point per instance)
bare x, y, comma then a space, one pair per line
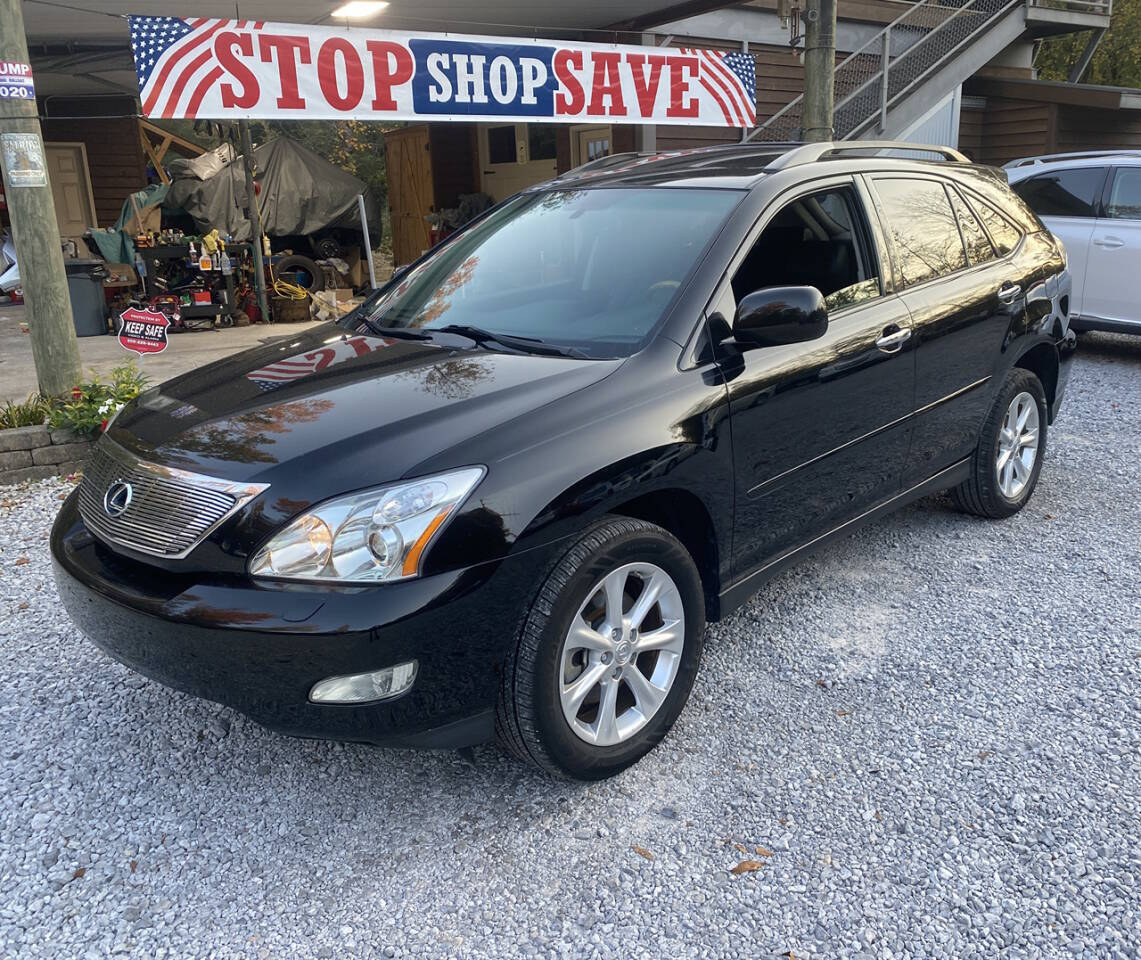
1110, 346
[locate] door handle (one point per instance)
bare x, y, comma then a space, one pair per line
1009, 292
1110, 243
892, 340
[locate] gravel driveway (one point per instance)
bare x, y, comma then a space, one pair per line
923, 742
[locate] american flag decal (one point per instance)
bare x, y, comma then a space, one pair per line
175, 62
731, 80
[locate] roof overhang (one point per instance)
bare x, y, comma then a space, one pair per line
1090, 96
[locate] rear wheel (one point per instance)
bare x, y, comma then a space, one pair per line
607, 654
1008, 459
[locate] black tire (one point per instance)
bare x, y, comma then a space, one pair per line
529, 721
981, 494
292, 268
326, 246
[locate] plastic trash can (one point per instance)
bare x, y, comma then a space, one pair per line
85, 287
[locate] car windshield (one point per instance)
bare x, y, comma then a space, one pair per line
590, 271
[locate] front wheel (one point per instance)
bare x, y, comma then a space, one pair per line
607, 654
1008, 460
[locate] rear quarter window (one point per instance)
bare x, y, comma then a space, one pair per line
992, 187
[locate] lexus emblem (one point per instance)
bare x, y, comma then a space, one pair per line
117, 498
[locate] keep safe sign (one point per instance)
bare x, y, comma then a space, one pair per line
229, 69
143, 331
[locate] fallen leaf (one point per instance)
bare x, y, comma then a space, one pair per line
134, 863
23, 606
642, 852
763, 852
746, 866
843, 713
1049, 516
79, 873
741, 847
878, 816
789, 954
22, 561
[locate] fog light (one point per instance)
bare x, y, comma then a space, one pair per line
365, 687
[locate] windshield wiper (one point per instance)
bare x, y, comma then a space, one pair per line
400, 333
525, 344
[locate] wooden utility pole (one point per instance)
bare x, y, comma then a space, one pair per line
255, 220
34, 227
819, 70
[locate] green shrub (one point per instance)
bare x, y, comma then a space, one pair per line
94, 403
31, 413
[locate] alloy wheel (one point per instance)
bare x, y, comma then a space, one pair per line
1017, 445
621, 654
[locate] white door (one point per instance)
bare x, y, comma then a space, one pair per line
591, 143
1066, 200
514, 156
1113, 272
71, 188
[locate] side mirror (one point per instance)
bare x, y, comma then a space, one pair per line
780, 315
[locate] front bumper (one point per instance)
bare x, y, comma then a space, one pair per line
260, 647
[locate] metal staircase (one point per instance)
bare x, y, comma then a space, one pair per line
908, 67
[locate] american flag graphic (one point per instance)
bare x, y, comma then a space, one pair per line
302, 365
175, 63
731, 80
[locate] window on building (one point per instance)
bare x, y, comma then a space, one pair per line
923, 228
501, 144
540, 141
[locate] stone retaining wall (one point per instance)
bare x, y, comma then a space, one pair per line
33, 453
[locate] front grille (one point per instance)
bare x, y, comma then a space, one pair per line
168, 512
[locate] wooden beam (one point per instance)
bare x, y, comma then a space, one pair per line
192, 148
149, 149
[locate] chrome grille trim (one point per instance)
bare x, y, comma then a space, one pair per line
171, 511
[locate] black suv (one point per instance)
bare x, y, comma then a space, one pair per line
505, 496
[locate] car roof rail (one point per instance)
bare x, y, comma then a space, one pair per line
601, 163
811, 152
1075, 155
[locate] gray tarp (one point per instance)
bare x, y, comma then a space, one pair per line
301, 195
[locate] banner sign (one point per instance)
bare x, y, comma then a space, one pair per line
229, 69
143, 331
16, 81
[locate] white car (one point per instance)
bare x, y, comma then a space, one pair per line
1092, 203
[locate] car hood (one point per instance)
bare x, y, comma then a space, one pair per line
329, 411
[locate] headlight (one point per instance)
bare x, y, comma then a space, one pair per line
368, 537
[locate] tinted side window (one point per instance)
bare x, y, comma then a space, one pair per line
1004, 233
923, 230
979, 249
1125, 195
817, 241
1063, 193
